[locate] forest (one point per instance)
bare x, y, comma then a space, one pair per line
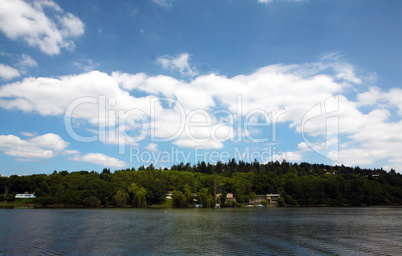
301, 184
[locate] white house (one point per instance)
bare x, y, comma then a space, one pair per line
25, 196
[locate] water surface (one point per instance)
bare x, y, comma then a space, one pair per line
228, 231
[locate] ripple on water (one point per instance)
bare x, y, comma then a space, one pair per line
256, 231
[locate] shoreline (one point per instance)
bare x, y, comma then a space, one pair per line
36, 206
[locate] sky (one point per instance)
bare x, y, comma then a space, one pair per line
87, 85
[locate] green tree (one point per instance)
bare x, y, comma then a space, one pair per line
203, 197
210, 202
179, 200
121, 198
281, 201
222, 198
132, 190
92, 201
187, 194
252, 195
140, 198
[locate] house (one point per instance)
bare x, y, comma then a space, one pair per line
273, 199
25, 195
194, 196
230, 198
169, 195
259, 199
270, 199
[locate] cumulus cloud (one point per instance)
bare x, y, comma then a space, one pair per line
100, 159
381, 99
40, 147
27, 21
205, 111
7, 72
179, 62
377, 139
52, 96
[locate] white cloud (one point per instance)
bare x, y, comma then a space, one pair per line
100, 159
40, 147
289, 156
86, 64
52, 96
25, 62
7, 72
180, 62
51, 141
28, 134
27, 21
381, 99
303, 146
377, 139
152, 147
129, 81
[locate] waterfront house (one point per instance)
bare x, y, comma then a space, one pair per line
270, 199
259, 199
169, 195
230, 198
273, 199
25, 195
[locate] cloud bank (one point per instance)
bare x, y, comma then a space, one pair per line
205, 111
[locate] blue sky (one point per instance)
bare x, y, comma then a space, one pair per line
91, 84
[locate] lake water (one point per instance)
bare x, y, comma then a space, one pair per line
245, 231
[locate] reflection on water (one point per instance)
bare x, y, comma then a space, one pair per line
283, 231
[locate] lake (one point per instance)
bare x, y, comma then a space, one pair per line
226, 231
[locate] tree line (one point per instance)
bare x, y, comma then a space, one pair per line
301, 184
